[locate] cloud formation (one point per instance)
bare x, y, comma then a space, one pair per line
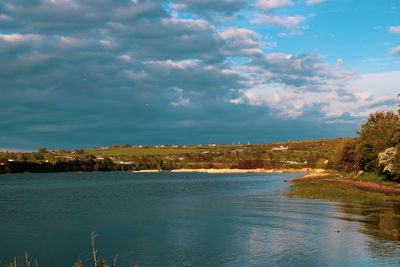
395, 51
83, 73
394, 29
266, 5
205, 6
292, 23
313, 2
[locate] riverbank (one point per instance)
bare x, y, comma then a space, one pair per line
310, 171
259, 170
387, 188
376, 201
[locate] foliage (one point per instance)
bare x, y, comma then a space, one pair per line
349, 157
368, 176
42, 150
376, 134
79, 151
250, 164
376, 149
300, 154
389, 159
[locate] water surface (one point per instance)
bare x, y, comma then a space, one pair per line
181, 219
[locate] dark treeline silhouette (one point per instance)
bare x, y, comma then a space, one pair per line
89, 165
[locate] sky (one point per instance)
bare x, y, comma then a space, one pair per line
83, 73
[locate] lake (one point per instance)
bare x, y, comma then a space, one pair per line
181, 219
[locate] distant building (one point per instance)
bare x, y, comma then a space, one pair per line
126, 162
280, 148
100, 156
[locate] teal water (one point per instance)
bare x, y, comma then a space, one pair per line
180, 219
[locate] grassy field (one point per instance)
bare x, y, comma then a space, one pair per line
136, 151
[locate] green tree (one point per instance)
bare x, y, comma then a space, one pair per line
377, 134
79, 151
350, 157
390, 160
42, 150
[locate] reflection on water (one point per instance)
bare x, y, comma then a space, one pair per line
382, 223
188, 219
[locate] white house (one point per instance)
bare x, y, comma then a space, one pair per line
280, 148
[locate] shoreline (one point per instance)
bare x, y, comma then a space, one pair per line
260, 170
387, 188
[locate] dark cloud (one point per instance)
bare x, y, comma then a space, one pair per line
92, 73
75, 17
306, 72
204, 7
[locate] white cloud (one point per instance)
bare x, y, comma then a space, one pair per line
394, 29
16, 38
125, 57
339, 63
179, 99
395, 51
289, 22
347, 101
106, 43
378, 84
238, 33
266, 5
313, 2
72, 41
242, 42
4, 17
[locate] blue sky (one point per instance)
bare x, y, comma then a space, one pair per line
82, 73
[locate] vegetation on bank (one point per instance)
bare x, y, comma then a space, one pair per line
337, 191
376, 150
287, 155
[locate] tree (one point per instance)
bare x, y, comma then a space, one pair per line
125, 145
349, 157
42, 150
391, 162
79, 151
377, 134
